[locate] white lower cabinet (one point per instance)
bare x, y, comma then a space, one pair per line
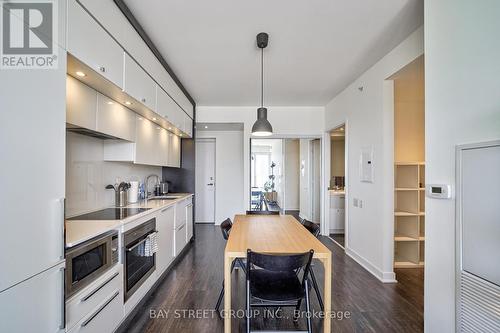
87, 302
165, 226
189, 222
35, 305
180, 239
105, 318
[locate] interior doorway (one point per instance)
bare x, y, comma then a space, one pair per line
205, 181
285, 176
409, 167
336, 188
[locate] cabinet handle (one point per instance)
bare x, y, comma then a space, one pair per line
62, 324
102, 69
92, 293
143, 100
182, 227
86, 322
63, 241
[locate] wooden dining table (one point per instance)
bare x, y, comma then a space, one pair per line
273, 234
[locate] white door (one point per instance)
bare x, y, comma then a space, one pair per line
205, 181
305, 198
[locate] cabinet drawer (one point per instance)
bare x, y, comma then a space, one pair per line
105, 317
85, 302
90, 43
138, 84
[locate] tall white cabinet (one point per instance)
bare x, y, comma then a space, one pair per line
32, 142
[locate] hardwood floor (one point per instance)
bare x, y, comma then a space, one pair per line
339, 238
195, 282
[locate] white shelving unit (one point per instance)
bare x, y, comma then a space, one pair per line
409, 214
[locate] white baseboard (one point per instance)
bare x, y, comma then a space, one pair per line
385, 277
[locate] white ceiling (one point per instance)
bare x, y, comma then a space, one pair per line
316, 47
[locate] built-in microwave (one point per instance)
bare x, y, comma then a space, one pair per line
87, 261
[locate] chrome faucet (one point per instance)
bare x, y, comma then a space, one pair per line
148, 194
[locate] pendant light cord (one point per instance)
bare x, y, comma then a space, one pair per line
262, 77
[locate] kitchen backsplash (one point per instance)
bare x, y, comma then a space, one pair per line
87, 174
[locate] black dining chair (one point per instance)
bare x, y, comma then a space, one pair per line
272, 281
225, 228
263, 212
314, 229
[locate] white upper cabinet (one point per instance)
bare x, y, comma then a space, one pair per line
114, 119
138, 84
163, 144
165, 105
146, 142
188, 125
174, 151
81, 104
91, 44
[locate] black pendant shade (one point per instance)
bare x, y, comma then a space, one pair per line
262, 127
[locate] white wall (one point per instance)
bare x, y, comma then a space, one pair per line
462, 78
368, 123
292, 171
228, 173
87, 174
286, 122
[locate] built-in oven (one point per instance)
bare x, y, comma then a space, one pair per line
139, 262
87, 261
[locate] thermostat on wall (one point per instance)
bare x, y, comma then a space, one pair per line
438, 191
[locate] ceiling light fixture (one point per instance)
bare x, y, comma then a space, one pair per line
110, 103
154, 119
206, 127
81, 74
262, 127
128, 103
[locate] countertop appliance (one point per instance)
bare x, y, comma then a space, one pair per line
110, 214
87, 261
138, 266
163, 188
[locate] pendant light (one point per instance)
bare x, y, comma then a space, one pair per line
262, 127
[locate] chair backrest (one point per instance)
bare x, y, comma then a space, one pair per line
279, 262
312, 227
263, 212
225, 227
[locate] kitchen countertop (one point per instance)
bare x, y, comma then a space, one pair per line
79, 231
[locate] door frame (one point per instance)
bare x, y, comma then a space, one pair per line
214, 140
325, 231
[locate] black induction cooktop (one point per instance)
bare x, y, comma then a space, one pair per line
110, 214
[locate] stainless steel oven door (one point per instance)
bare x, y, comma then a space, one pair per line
87, 261
137, 266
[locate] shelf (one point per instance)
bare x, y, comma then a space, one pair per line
405, 239
409, 189
399, 213
407, 264
409, 163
